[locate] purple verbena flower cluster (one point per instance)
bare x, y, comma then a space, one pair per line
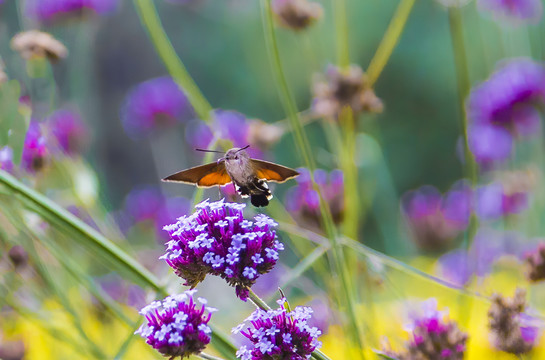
433, 336
69, 130
488, 246
176, 326
505, 107
148, 205
512, 329
35, 151
48, 10
152, 104
217, 240
304, 202
513, 11
279, 334
436, 220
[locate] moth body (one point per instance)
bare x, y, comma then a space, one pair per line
240, 170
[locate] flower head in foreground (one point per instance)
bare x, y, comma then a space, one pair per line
435, 220
433, 336
513, 11
34, 43
279, 334
50, 10
177, 326
296, 14
342, 88
154, 103
505, 107
535, 263
217, 240
304, 202
69, 130
35, 151
511, 330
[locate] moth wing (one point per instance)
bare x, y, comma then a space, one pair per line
272, 172
207, 175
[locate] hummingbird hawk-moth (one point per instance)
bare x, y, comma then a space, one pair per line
248, 175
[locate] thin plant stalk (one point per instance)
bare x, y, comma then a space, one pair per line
150, 19
462, 76
303, 145
389, 41
341, 30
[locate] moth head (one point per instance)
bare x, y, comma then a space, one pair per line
236, 155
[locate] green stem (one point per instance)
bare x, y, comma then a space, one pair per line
149, 17
341, 29
258, 302
389, 41
462, 76
304, 147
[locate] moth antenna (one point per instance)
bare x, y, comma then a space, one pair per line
244, 148
212, 151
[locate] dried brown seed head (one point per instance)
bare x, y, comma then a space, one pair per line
34, 43
296, 14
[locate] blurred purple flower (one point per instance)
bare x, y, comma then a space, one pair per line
35, 151
69, 130
217, 240
279, 334
505, 106
148, 204
535, 263
433, 336
490, 144
488, 246
492, 202
512, 329
48, 10
154, 103
176, 326
6, 159
513, 11
198, 134
144, 203
304, 202
456, 267
434, 220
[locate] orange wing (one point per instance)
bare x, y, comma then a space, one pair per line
272, 172
208, 175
